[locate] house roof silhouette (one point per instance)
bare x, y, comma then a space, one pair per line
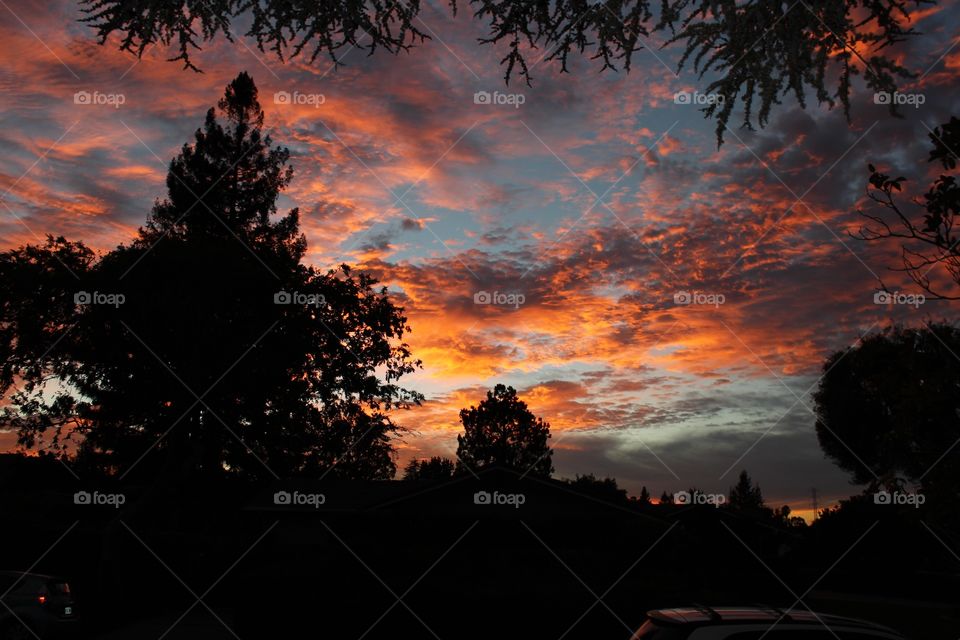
492, 491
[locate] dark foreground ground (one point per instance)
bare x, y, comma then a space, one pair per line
421, 560
917, 618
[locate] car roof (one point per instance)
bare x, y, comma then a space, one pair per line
702, 614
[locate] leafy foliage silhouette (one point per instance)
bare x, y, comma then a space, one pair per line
931, 241
227, 354
888, 411
501, 430
759, 50
435, 468
604, 488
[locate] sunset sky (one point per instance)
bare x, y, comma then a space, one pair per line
594, 203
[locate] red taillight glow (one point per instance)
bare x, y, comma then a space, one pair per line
42, 599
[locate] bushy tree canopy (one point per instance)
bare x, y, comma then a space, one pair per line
502, 430
888, 409
605, 488
204, 344
435, 468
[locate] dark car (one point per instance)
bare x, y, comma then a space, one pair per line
35, 606
753, 623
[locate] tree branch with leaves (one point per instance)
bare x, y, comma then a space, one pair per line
757, 51
930, 245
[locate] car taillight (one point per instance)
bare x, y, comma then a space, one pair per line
42, 599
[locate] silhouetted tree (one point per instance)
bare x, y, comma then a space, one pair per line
888, 409
666, 498
436, 468
782, 516
502, 430
204, 345
746, 496
758, 51
644, 497
605, 488
37, 285
930, 245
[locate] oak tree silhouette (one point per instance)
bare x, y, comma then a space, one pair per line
205, 345
501, 430
758, 51
888, 409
